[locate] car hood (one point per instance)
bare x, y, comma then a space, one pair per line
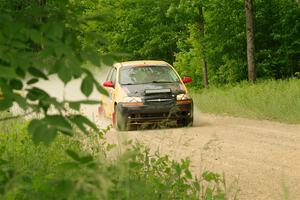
139, 90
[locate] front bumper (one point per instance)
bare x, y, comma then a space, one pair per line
137, 115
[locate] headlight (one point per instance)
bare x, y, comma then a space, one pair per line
132, 101
183, 99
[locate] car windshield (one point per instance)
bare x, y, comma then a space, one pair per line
147, 74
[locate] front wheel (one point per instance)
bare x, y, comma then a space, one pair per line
120, 122
188, 122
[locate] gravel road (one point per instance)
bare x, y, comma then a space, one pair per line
264, 156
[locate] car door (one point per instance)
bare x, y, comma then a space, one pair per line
110, 100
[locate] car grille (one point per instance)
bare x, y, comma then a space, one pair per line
160, 99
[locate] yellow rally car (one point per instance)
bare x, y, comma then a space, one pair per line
146, 92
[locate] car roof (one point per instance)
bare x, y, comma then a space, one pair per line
139, 63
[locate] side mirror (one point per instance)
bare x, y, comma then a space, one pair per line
108, 84
187, 79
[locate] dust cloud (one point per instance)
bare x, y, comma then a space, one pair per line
198, 119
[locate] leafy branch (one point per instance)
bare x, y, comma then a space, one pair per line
48, 38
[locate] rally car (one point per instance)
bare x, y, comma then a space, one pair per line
146, 93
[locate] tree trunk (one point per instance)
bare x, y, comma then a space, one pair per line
41, 2
204, 70
202, 45
250, 41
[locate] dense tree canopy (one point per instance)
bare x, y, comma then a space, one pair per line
141, 29
168, 30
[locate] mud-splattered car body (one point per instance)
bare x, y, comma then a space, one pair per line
146, 93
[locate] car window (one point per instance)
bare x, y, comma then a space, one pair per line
147, 74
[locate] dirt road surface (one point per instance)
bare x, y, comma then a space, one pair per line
264, 156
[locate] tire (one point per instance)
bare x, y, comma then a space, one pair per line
191, 122
188, 122
190, 119
120, 122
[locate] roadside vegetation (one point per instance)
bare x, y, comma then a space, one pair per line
277, 100
80, 168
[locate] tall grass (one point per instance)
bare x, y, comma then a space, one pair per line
277, 100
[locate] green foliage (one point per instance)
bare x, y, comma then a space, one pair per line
29, 169
188, 58
224, 41
67, 169
40, 38
140, 28
277, 41
173, 180
271, 100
